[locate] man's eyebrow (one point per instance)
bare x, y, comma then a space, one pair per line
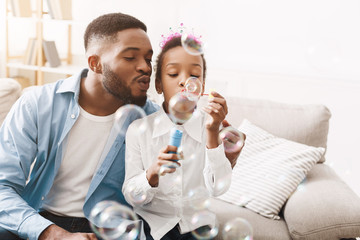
135, 49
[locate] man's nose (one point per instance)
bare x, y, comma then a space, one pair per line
144, 67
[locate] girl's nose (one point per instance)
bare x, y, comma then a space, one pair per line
182, 83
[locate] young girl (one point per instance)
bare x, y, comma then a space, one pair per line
166, 205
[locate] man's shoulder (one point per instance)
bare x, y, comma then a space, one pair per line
150, 107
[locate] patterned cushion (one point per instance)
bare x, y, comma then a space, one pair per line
268, 170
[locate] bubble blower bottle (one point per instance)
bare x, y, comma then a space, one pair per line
175, 140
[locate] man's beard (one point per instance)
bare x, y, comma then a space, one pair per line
118, 88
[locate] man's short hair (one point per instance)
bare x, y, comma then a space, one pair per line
108, 25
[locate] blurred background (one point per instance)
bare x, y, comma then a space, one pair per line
304, 52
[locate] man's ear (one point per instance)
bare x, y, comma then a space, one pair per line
95, 64
158, 86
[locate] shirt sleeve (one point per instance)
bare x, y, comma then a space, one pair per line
136, 188
217, 171
18, 146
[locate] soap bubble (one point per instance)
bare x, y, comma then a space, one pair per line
136, 197
198, 198
126, 115
237, 229
180, 153
222, 184
168, 168
111, 220
206, 225
192, 44
232, 138
194, 87
181, 107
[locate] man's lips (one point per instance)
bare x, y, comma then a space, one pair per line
143, 82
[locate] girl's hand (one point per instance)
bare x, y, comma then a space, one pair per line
164, 159
232, 156
217, 110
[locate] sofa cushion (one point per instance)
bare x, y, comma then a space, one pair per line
10, 91
263, 228
268, 170
307, 124
324, 208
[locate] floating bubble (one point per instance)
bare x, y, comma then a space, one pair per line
222, 184
126, 115
192, 44
237, 229
168, 168
206, 225
198, 198
137, 197
194, 87
232, 138
181, 107
180, 153
111, 220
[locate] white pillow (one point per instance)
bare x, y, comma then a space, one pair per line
268, 170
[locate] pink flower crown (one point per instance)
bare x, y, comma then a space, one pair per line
179, 33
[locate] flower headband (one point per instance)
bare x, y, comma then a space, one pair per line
187, 38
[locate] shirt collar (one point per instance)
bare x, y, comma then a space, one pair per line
72, 84
193, 127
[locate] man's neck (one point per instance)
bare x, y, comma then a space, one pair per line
94, 99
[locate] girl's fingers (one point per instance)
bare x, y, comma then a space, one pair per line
217, 98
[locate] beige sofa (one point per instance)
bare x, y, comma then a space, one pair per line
327, 210
10, 91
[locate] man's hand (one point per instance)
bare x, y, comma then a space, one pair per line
164, 159
54, 232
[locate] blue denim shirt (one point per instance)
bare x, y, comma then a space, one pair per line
35, 128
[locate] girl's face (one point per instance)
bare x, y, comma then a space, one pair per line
176, 68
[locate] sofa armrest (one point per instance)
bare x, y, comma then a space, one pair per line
323, 207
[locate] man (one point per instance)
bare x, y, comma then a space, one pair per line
67, 128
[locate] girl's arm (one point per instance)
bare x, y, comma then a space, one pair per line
217, 111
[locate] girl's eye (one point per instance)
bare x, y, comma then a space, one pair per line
173, 74
129, 58
148, 60
195, 76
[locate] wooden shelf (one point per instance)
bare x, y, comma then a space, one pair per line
38, 19
62, 69
22, 66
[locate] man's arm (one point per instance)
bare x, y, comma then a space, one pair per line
18, 146
54, 232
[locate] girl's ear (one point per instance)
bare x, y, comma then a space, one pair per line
158, 86
203, 87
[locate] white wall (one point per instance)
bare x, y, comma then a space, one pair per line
291, 51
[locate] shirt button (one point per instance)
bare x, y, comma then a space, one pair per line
42, 198
72, 116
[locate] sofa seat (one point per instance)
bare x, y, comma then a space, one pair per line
10, 91
264, 228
